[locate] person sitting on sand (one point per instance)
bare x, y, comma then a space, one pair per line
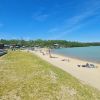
87, 65
65, 60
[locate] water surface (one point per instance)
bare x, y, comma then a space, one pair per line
91, 53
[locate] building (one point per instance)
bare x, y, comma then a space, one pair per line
1, 46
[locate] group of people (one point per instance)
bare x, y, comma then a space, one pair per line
87, 65
46, 52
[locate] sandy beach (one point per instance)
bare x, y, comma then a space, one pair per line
90, 76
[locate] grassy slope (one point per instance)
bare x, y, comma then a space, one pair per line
24, 76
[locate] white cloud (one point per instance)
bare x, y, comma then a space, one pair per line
40, 16
78, 21
52, 30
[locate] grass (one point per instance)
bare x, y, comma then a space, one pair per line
24, 76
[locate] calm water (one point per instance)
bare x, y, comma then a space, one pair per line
86, 53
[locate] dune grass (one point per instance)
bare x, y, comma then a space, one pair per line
24, 76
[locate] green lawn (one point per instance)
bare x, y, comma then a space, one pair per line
24, 76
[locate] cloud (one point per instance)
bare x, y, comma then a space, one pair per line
40, 16
78, 21
81, 17
52, 30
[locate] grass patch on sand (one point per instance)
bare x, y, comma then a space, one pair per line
24, 76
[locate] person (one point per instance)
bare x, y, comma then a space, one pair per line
68, 60
87, 65
49, 51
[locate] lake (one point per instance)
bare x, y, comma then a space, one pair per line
91, 53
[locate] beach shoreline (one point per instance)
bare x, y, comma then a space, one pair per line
86, 75
75, 58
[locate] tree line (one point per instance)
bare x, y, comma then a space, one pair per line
48, 43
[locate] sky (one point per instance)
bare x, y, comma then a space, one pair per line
72, 20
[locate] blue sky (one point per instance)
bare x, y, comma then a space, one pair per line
74, 20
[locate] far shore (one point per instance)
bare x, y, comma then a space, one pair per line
90, 76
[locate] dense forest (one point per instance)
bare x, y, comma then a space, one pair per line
48, 43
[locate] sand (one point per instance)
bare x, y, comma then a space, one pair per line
90, 76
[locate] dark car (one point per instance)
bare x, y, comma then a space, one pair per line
1, 46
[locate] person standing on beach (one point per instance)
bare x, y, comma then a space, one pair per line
49, 52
